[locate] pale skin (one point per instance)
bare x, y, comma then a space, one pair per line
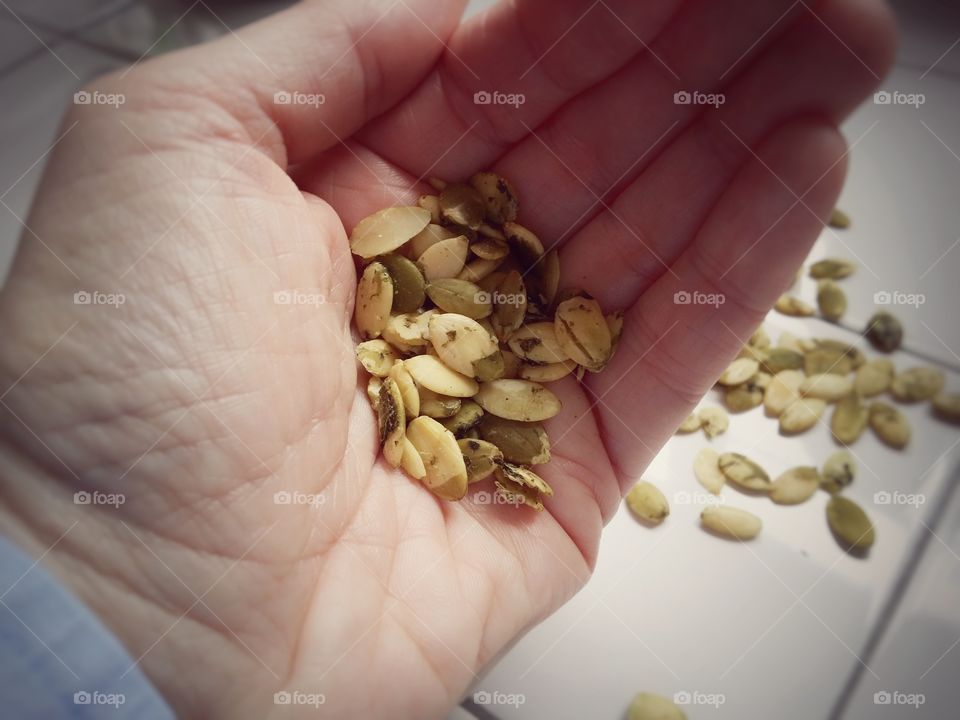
200, 397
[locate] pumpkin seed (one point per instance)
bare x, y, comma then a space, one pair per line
832, 269
583, 333
511, 365
376, 356
916, 384
890, 425
714, 421
874, 377
839, 219
537, 343
849, 419
793, 306
739, 371
549, 372
428, 237
525, 245
801, 415
373, 391
789, 341
408, 389
647, 502
550, 276
386, 230
430, 203
460, 341
831, 300
690, 424
826, 386
374, 300
795, 486
779, 359
946, 406
476, 270
509, 304
524, 477
461, 205
516, 494
390, 419
438, 406
747, 396
489, 367
839, 471
432, 374
444, 259
731, 522
827, 360
461, 297
518, 400
759, 339
408, 283
783, 390
445, 470
465, 418
404, 332
490, 249
499, 198
411, 462
706, 468
521, 443
649, 706
884, 331
744, 472
850, 524
480, 458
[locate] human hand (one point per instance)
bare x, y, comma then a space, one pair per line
200, 397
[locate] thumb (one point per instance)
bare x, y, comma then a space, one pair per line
316, 72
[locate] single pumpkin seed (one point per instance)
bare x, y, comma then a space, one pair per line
373, 391
849, 419
489, 367
386, 230
744, 472
548, 372
782, 391
759, 339
430, 203
690, 424
740, 398
461, 297
890, 425
853, 353
408, 389
391, 422
827, 360
874, 377
374, 300
917, 384
376, 356
476, 270
826, 386
461, 205
445, 470
779, 359
884, 331
428, 237
831, 300
706, 468
839, 471
549, 276
583, 333
649, 706
526, 246
518, 400
408, 283
404, 332
460, 341
647, 502
431, 373
714, 421
793, 306
795, 486
739, 371
444, 259
946, 406
480, 458
801, 415
499, 198
490, 249
839, 219
731, 522
523, 476
832, 269
438, 406
850, 524
516, 494
465, 418
521, 443
537, 343
509, 304
411, 462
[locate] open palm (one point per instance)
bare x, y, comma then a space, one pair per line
201, 396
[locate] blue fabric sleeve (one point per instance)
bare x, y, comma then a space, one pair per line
57, 660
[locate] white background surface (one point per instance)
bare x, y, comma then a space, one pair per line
787, 626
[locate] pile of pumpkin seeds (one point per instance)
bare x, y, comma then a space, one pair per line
463, 325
